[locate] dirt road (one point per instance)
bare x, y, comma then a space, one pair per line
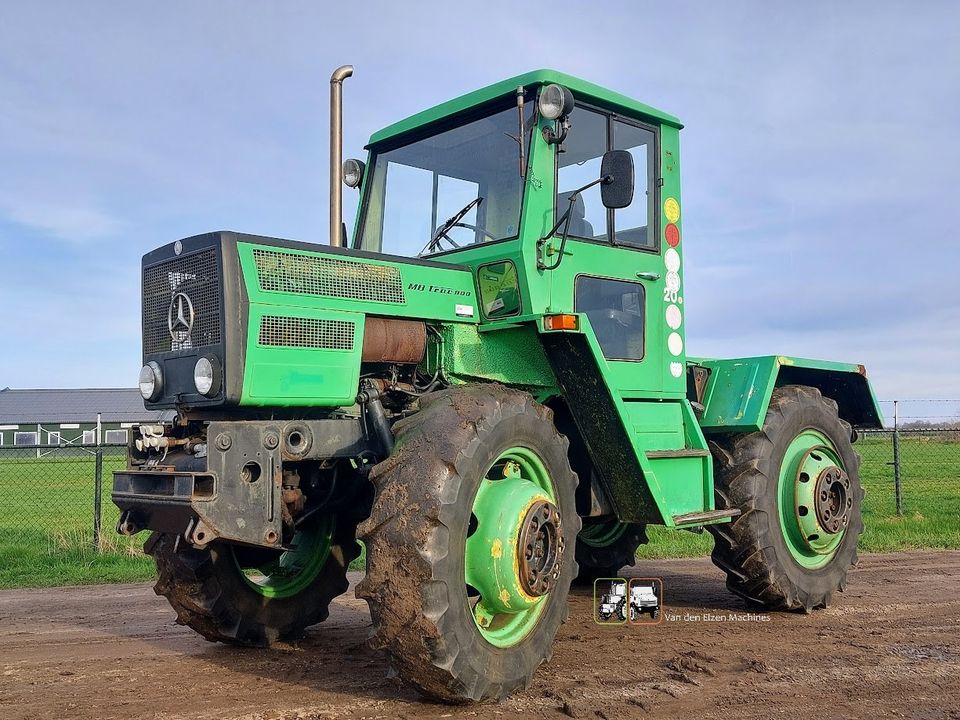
887, 648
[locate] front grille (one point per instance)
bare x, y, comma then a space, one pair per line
179, 284
277, 331
328, 277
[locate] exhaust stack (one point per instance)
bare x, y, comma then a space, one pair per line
336, 152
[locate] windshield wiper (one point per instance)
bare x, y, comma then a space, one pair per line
442, 231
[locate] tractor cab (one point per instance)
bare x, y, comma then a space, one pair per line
563, 201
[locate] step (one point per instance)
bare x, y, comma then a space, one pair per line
705, 516
682, 453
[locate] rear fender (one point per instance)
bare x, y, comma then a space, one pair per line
737, 392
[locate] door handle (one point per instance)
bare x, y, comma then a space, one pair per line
651, 276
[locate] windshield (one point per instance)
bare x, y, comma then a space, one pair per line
414, 190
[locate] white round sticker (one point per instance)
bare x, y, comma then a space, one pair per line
676, 369
673, 281
675, 343
674, 317
671, 258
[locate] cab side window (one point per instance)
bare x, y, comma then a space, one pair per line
630, 224
499, 289
591, 134
578, 165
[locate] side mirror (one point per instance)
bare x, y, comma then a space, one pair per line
616, 169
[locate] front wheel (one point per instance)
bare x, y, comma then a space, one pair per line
470, 543
253, 597
797, 488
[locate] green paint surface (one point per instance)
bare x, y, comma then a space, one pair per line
309, 285
739, 389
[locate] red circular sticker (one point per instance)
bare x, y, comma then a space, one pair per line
672, 233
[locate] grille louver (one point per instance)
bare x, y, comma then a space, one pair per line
319, 334
198, 277
327, 277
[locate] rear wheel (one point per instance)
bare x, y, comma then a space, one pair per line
603, 548
254, 597
797, 487
469, 543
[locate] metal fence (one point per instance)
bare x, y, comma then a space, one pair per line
910, 468
58, 496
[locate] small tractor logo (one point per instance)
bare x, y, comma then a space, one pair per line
611, 607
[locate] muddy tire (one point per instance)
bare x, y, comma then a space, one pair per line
777, 554
426, 517
603, 549
213, 597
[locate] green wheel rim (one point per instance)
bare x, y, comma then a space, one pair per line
809, 455
600, 535
294, 570
504, 612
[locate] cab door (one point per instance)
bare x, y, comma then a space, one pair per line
625, 283
614, 271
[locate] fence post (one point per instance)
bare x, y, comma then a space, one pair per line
97, 492
898, 488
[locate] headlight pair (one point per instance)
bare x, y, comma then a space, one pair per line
207, 378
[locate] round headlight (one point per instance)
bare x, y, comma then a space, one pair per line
555, 101
150, 381
352, 173
206, 375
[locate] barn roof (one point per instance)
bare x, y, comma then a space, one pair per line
24, 407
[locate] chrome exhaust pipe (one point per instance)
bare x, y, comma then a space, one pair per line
336, 152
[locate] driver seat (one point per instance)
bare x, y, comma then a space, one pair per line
579, 226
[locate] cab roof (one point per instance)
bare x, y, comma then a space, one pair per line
581, 89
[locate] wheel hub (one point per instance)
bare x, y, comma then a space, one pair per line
539, 548
833, 501
822, 501
514, 548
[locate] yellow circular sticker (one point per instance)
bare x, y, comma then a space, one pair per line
671, 208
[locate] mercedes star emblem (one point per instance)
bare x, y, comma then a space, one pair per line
180, 317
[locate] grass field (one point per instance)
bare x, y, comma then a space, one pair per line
46, 514
46, 522
931, 501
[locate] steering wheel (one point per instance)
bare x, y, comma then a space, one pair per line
435, 244
481, 230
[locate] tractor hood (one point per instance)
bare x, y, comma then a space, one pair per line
282, 322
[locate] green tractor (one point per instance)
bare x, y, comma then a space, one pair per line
487, 385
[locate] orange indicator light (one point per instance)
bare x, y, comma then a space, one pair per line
561, 322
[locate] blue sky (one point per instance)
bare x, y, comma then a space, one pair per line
821, 156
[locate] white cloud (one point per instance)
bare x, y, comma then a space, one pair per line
61, 218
